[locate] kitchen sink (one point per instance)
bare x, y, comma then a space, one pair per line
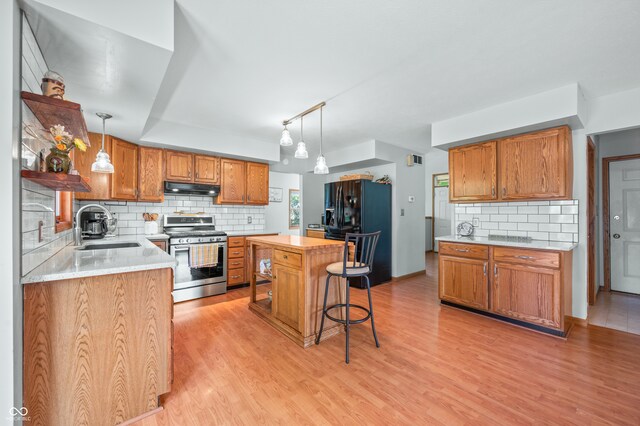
108, 246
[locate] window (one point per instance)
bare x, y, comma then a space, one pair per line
294, 209
64, 211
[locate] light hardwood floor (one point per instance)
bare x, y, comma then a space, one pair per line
436, 365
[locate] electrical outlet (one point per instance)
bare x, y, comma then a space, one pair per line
249, 219
476, 222
401, 212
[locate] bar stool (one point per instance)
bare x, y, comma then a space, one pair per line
360, 266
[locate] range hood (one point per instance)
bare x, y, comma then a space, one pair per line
180, 188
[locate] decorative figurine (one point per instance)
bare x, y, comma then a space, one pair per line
53, 85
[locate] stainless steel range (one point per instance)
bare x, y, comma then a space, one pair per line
201, 254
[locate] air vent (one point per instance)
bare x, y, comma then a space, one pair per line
413, 159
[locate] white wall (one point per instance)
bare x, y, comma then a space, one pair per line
615, 112
10, 290
312, 198
611, 145
277, 214
435, 161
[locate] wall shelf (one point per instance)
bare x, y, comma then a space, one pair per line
51, 111
58, 181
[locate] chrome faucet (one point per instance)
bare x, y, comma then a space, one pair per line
77, 231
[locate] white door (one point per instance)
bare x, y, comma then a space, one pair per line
441, 213
624, 219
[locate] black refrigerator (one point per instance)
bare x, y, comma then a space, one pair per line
361, 206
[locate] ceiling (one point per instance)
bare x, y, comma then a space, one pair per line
387, 69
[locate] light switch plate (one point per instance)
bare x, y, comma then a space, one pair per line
249, 219
401, 212
412, 198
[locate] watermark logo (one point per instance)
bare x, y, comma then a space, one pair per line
18, 414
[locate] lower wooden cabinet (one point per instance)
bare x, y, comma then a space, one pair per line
162, 244
287, 294
238, 258
527, 293
531, 286
464, 281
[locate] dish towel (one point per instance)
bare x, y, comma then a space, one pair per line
203, 255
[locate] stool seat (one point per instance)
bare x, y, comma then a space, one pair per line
338, 268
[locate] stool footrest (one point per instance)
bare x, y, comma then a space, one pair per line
344, 321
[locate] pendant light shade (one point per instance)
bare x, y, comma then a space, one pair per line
321, 163
286, 140
103, 162
301, 151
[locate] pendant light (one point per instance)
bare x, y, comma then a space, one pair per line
321, 163
301, 152
286, 140
103, 162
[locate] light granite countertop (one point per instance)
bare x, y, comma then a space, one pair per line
533, 244
156, 237
247, 233
71, 263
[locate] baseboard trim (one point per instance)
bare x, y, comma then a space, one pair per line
142, 416
411, 275
578, 321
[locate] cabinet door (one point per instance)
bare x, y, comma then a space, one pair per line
124, 181
287, 288
527, 293
151, 175
464, 281
179, 166
100, 182
536, 165
232, 181
472, 172
207, 169
257, 183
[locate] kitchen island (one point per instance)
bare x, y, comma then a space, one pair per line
98, 333
297, 276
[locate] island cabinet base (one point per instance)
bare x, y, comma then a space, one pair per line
298, 276
97, 350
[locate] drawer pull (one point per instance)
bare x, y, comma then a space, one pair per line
235, 276
463, 250
484, 269
525, 257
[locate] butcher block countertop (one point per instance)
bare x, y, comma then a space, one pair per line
296, 242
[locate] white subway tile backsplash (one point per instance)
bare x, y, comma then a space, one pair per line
555, 220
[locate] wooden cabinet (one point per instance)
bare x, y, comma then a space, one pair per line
531, 286
100, 182
238, 260
527, 293
232, 181
207, 169
531, 166
151, 175
257, 183
287, 294
315, 233
472, 172
124, 180
464, 281
178, 166
536, 165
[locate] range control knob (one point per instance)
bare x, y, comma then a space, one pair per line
181, 240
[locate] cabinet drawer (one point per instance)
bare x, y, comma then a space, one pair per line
235, 242
235, 276
235, 263
549, 259
235, 252
473, 251
287, 258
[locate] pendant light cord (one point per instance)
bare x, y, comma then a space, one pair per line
103, 130
302, 129
320, 130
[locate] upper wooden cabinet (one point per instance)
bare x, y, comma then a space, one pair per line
472, 172
151, 175
536, 165
532, 166
100, 182
207, 169
257, 183
178, 166
232, 181
124, 181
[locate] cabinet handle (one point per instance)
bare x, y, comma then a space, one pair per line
495, 270
493, 191
243, 198
484, 269
284, 256
462, 250
248, 197
504, 191
525, 257
197, 174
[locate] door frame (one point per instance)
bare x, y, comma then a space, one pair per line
592, 162
433, 206
605, 214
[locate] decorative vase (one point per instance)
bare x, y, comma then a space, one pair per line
58, 161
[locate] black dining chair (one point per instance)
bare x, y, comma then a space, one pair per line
360, 266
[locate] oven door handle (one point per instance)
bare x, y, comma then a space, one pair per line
180, 248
